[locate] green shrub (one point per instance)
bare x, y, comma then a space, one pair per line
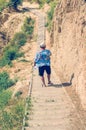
5, 81
10, 53
17, 113
4, 61
19, 39
48, 1
18, 94
28, 26
15, 3
13, 119
3, 4
50, 14
6, 121
4, 98
41, 3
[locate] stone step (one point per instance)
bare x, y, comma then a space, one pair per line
59, 127
52, 116
45, 128
54, 125
48, 123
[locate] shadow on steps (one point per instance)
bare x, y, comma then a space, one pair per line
65, 84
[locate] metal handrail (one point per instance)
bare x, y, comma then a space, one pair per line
28, 96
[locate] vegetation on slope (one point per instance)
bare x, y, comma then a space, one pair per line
5, 81
28, 27
41, 2
12, 110
15, 3
50, 14
12, 50
11, 116
3, 4
11, 3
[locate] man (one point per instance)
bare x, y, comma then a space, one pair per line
42, 61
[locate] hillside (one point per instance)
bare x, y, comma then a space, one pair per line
9, 27
20, 69
68, 40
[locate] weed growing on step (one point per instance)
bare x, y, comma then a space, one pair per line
18, 94
26, 124
28, 100
23, 60
50, 100
27, 111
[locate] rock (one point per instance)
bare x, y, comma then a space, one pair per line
69, 44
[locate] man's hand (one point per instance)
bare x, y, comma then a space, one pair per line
34, 64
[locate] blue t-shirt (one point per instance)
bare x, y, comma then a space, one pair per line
43, 58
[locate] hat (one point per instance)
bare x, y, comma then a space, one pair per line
42, 45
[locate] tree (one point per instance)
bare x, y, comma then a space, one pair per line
15, 3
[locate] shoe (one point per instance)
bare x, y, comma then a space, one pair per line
50, 83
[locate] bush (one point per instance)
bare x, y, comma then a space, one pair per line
13, 119
18, 94
5, 81
28, 26
6, 121
50, 15
41, 3
15, 3
18, 111
10, 53
5, 96
4, 61
19, 39
3, 4
48, 1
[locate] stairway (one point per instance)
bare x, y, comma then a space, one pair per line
52, 107
41, 26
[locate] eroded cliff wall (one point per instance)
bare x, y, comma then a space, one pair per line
68, 40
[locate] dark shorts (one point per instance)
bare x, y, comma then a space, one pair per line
44, 68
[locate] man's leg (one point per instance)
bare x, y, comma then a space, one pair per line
48, 70
48, 77
41, 74
43, 80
